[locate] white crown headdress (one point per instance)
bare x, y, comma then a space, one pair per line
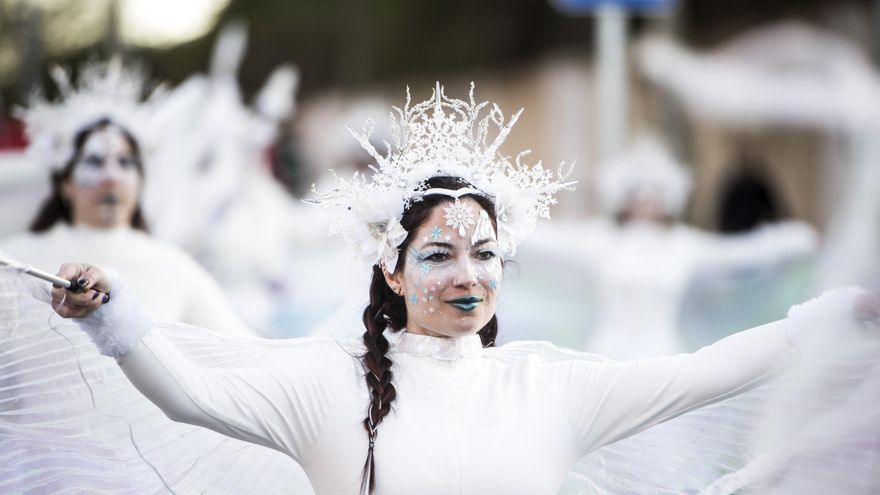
648, 168
104, 89
440, 136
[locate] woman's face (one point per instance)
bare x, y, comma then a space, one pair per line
104, 186
451, 275
645, 206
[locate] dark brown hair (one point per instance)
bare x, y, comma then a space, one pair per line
388, 309
56, 207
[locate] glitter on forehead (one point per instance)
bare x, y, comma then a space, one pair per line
435, 232
459, 216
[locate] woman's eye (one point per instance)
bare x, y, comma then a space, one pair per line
486, 255
126, 161
437, 257
93, 161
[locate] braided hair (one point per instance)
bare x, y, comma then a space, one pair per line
388, 309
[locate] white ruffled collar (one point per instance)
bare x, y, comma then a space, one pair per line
442, 348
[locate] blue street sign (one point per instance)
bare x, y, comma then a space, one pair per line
585, 7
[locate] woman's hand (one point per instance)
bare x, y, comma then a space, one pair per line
89, 289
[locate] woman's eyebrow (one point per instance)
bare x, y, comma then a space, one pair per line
482, 241
438, 244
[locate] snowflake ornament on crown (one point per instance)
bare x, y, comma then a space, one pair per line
441, 136
108, 89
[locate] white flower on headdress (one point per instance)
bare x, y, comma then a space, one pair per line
442, 136
386, 237
459, 216
514, 219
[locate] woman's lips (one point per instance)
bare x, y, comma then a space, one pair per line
465, 303
109, 199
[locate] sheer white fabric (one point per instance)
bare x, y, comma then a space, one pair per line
70, 421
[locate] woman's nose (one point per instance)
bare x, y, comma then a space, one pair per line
112, 172
467, 274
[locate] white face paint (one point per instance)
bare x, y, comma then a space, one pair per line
104, 187
450, 281
106, 156
645, 205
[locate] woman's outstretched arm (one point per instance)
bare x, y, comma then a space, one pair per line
610, 401
279, 405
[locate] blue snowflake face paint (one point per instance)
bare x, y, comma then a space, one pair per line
450, 281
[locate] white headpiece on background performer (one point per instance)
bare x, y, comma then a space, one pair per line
646, 168
107, 89
440, 136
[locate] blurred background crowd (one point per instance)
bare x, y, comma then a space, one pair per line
727, 162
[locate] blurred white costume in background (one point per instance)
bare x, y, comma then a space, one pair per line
211, 192
188, 293
642, 264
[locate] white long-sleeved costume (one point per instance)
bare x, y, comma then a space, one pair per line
466, 420
164, 278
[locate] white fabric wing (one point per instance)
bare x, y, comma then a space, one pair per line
71, 421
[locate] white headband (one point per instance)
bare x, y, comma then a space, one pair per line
454, 194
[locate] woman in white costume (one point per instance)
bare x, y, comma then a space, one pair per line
425, 403
88, 140
645, 260
59, 394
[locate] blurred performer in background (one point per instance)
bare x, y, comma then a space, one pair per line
643, 263
52, 381
647, 260
97, 175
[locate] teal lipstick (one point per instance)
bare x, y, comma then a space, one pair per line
466, 303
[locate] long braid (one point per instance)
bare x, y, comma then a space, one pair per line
386, 309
